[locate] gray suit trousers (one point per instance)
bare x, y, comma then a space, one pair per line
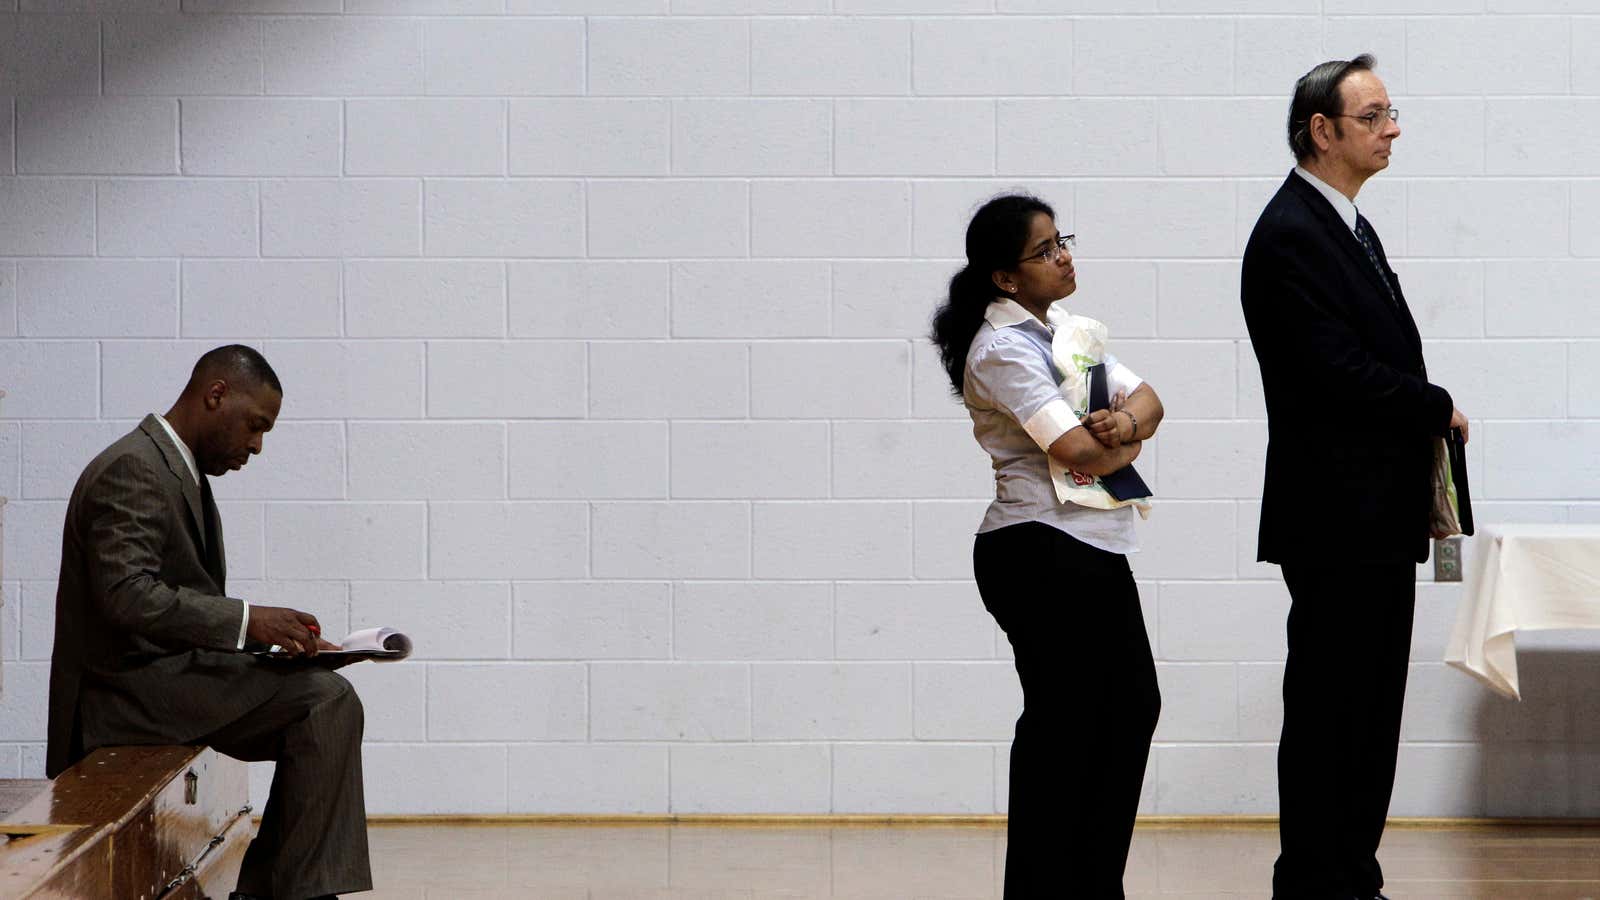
313, 835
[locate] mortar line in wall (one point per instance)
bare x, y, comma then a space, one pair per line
1566, 369
911, 377
177, 287
911, 689
828, 462
344, 435
177, 137
11, 114
1004, 180
911, 59
833, 620
94, 217
672, 620
833, 137
1156, 103
344, 139
750, 544
344, 308
1572, 219
832, 808
994, 148
667, 426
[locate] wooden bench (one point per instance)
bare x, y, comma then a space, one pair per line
128, 823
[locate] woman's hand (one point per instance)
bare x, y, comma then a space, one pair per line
1106, 426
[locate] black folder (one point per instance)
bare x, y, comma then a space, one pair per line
1125, 483
1458, 474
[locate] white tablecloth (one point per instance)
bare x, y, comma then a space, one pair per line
1523, 578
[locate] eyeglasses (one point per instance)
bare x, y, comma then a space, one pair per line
1052, 253
1376, 119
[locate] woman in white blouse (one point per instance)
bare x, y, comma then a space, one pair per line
1054, 575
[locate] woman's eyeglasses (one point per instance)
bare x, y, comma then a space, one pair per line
1052, 253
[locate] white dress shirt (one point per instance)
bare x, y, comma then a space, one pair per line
1017, 411
194, 474
1344, 206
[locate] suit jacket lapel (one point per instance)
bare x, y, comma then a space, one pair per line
1341, 235
180, 471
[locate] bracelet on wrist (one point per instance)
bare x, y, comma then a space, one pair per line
1133, 433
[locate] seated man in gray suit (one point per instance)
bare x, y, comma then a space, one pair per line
149, 647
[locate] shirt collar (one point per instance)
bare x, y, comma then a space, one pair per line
183, 449
1005, 312
1344, 206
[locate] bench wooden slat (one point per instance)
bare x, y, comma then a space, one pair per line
125, 822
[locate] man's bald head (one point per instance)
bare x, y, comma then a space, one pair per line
231, 401
238, 365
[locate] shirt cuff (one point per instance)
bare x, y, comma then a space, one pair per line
1124, 379
1051, 421
244, 623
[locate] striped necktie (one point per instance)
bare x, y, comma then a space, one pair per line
1364, 235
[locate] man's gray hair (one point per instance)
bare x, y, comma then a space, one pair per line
1316, 92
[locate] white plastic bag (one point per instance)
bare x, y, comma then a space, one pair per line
1080, 342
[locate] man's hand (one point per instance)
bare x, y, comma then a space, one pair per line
1458, 419
296, 632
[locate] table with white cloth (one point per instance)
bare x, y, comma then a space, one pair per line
1523, 578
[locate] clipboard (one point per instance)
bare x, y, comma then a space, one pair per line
1125, 483
1457, 448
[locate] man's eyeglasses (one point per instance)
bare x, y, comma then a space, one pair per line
1052, 253
1376, 119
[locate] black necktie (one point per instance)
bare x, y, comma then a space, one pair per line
213, 548
1364, 235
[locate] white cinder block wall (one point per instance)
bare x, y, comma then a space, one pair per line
600, 327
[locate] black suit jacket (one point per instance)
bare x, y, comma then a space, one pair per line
145, 635
1350, 413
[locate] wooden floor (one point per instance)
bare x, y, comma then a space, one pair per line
658, 862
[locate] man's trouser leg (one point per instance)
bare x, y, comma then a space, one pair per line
1344, 688
313, 836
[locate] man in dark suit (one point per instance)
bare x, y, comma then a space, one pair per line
148, 646
1346, 507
